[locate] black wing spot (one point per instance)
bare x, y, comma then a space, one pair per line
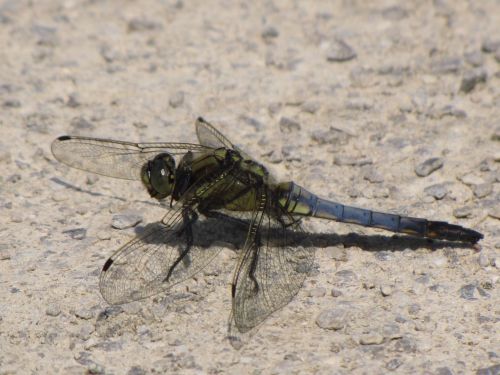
108, 264
64, 138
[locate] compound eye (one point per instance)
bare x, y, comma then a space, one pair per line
161, 173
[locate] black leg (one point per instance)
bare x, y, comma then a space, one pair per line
189, 218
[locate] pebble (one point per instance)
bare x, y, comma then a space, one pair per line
4, 252
467, 292
429, 166
393, 364
83, 313
494, 137
446, 65
443, 371
462, 212
438, 191
497, 56
346, 277
386, 290
371, 339
287, 125
310, 107
73, 101
331, 319
471, 78
482, 190
492, 370
351, 160
53, 310
127, 219
332, 137
494, 212
11, 103
483, 260
85, 331
471, 179
136, 370
337, 293
176, 100
76, 234
340, 51
81, 123
474, 58
490, 45
141, 24
406, 344
269, 32
373, 176
317, 292
338, 253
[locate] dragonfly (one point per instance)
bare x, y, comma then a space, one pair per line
216, 179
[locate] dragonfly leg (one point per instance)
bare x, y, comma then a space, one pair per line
189, 217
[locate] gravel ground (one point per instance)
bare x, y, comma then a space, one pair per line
386, 105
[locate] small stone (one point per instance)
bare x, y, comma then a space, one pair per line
483, 260
91, 179
482, 190
406, 344
338, 254
332, 136
76, 234
386, 290
393, 364
351, 160
287, 125
496, 262
317, 292
427, 167
446, 65
359, 104
83, 313
269, 32
490, 45
471, 179
443, 371
371, 339
16, 217
467, 292
373, 176
331, 319
346, 278
136, 370
497, 56
177, 99
4, 253
53, 310
310, 107
471, 78
474, 58
337, 293
125, 220
86, 331
103, 235
73, 101
494, 212
11, 103
462, 212
492, 370
81, 123
340, 51
141, 24
496, 134
438, 191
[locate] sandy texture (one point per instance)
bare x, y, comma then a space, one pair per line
347, 98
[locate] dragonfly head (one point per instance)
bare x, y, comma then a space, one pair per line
158, 175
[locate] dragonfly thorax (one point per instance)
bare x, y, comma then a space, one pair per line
158, 175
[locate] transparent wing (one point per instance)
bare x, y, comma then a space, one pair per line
211, 137
113, 158
272, 268
151, 263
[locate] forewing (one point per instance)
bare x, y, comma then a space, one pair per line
140, 268
211, 137
272, 268
113, 158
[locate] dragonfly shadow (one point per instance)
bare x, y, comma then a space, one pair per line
94, 194
208, 231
